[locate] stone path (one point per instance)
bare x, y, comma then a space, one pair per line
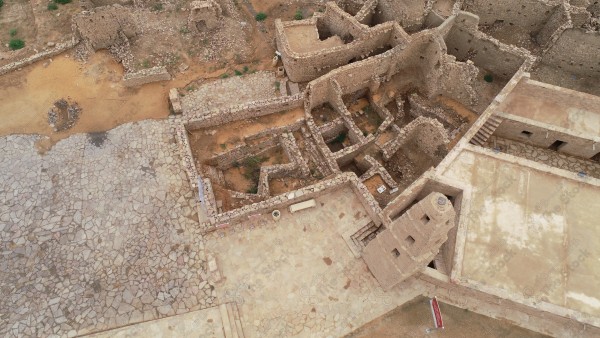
98, 233
231, 92
545, 156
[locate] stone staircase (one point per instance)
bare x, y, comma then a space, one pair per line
484, 133
232, 322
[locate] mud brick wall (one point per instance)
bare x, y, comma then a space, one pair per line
58, 49
149, 75
201, 119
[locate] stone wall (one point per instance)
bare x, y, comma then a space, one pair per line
408, 13
429, 132
144, 76
575, 51
530, 15
558, 22
58, 49
303, 194
464, 41
101, 26
361, 42
200, 119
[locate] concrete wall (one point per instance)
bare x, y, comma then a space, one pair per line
576, 51
410, 242
543, 135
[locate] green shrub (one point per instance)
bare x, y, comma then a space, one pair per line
224, 76
15, 44
340, 138
246, 69
260, 16
157, 7
237, 72
298, 15
488, 78
62, 2
13, 32
52, 6
1, 3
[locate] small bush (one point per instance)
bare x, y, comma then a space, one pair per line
13, 32
224, 76
157, 7
298, 15
62, 2
15, 44
260, 16
488, 78
246, 69
52, 6
237, 72
1, 3
340, 138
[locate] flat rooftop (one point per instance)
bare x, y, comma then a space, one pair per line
529, 232
561, 107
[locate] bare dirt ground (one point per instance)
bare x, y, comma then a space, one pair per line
414, 317
206, 143
27, 95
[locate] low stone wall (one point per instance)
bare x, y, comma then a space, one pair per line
201, 119
58, 49
217, 221
428, 141
149, 75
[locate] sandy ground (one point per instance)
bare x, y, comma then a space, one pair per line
27, 95
414, 317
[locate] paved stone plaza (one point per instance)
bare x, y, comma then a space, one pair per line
98, 233
230, 92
